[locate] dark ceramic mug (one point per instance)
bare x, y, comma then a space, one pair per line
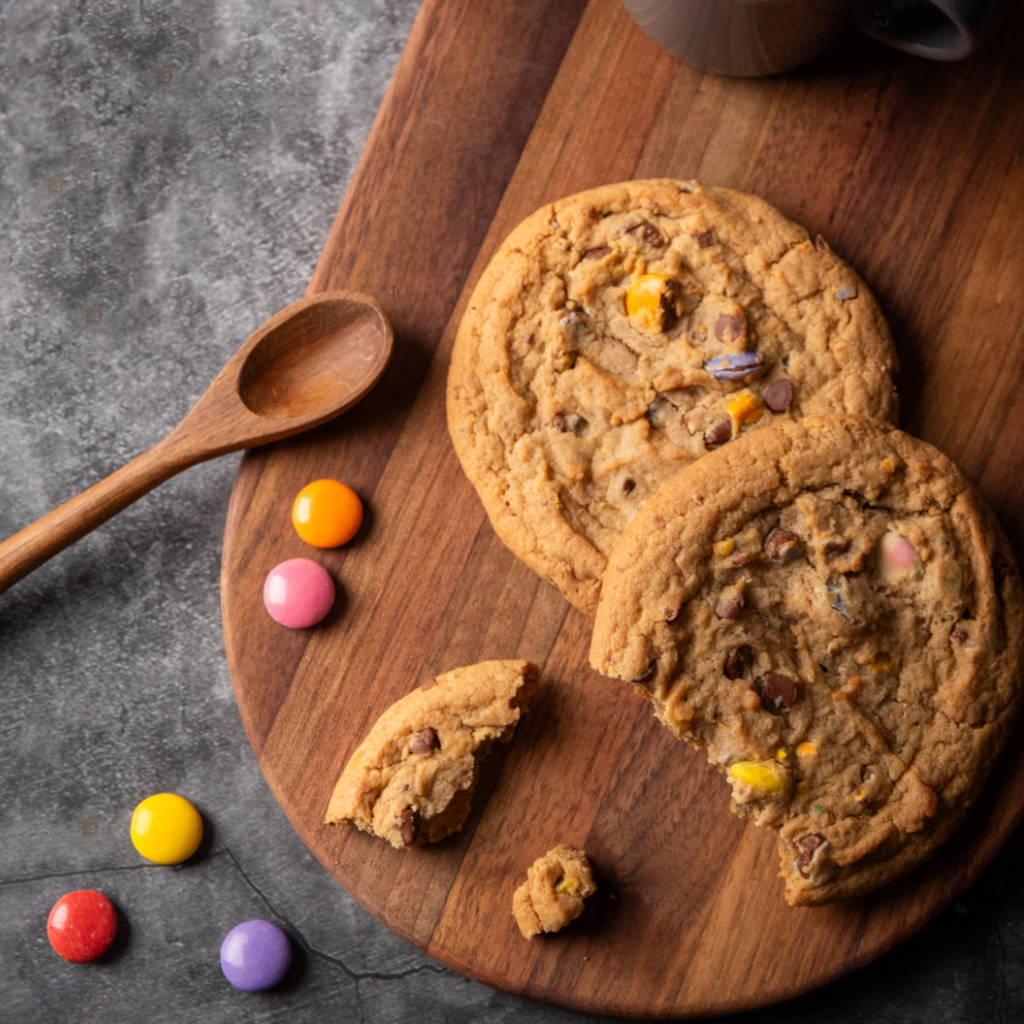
764, 37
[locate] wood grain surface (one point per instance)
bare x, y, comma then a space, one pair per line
914, 172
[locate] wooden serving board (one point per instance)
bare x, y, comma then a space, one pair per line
915, 173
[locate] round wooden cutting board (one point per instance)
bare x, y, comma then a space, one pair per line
690, 919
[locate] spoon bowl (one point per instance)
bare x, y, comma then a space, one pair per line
304, 366
281, 378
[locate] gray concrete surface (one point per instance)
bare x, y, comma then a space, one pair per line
168, 172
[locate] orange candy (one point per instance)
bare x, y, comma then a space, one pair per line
327, 513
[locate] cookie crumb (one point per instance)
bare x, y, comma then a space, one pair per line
552, 895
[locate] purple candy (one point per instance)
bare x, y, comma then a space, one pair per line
738, 366
255, 955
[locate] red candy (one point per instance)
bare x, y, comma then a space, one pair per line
82, 925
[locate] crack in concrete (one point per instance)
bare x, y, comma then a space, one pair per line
354, 975
308, 947
46, 876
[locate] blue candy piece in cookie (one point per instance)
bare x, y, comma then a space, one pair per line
737, 366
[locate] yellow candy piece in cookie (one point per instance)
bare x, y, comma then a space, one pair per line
760, 776
650, 301
745, 407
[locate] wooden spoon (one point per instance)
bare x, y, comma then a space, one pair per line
304, 366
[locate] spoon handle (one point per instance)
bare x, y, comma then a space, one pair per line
30, 547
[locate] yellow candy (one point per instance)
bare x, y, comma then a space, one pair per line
760, 776
166, 828
724, 548
745, 407
781, 755
806, 749
646, 300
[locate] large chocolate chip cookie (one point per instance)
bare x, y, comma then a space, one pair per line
828, 609
621, 333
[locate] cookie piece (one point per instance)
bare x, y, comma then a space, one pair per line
621, 333
830, 611
411, 780
552, 895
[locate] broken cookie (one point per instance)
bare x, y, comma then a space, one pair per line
828, 609
411, 780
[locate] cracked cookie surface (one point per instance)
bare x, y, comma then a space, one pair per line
829, 610
411, 780
621, 333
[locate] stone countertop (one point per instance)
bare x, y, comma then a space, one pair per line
168, 173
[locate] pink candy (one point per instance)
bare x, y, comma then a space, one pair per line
898, 555
298, 593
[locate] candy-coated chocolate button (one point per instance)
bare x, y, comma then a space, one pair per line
327, 513
166, 828
255, 955
82, 925
298, 593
